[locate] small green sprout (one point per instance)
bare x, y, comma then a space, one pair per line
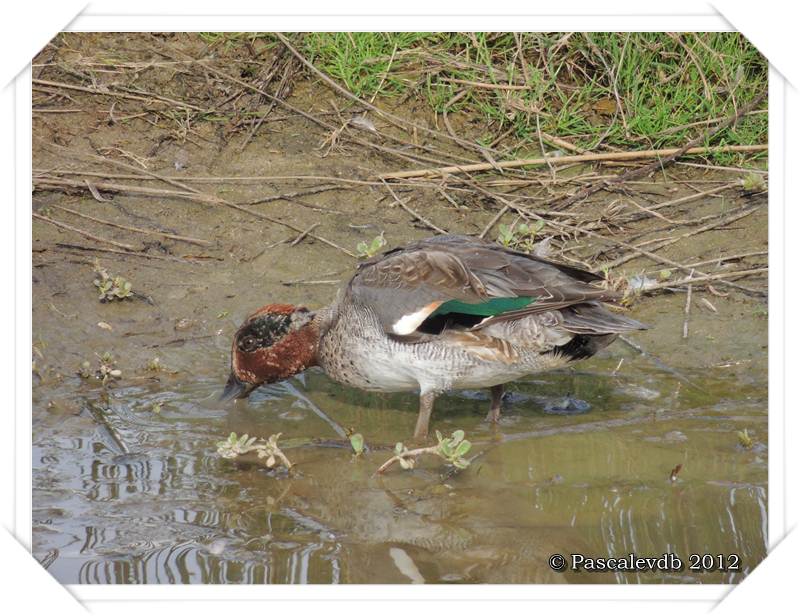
452, 449
365, 250
154, 365
106, 371
745, 440
236, 446
85, 370
520, 237
506, 236
357, 443
111, 287
156, 408
268, 449
753, 183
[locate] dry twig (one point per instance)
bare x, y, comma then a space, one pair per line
668, 153
687, 308
415, 214
86, 234
707, 277
171, 236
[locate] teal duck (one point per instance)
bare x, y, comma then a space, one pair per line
448, 312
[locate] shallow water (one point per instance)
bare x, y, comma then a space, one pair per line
124, 494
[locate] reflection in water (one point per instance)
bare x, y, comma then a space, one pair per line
186, 563
168, 510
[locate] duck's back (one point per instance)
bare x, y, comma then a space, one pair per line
453, 312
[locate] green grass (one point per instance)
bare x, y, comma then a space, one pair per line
662, 83
665, 83
228, 41
362, 61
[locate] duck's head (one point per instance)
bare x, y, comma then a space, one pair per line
274, 343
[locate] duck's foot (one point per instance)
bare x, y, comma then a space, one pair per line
497, 402
424, 417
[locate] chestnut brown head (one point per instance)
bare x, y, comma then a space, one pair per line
274, 343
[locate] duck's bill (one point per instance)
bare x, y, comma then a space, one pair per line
235, 388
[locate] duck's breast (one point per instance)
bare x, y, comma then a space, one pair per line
357, 352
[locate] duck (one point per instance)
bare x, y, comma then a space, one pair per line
444, 313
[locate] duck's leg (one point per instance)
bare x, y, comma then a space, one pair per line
497, 401
424, 417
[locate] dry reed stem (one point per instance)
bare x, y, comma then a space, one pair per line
736, 257
687, 308
300, 237
172, 236
124, 253
662, 243
194, 196
415, 214
574, 231
707, 278
146, 97
579, 158
86, 234
493, 221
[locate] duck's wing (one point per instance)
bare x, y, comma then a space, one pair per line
463, 275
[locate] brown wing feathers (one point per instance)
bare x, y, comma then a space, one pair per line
438, 270
416, 279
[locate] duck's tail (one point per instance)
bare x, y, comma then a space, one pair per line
595, 327
593, 318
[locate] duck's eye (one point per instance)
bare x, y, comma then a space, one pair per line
248, 344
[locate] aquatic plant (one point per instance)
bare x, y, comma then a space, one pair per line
520, 237
156, 365
753, 183
111, 287
365, 250
357, 443
266, 449
106, 370
452, 449
745, 440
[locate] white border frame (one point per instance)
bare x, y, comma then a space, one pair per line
110, 596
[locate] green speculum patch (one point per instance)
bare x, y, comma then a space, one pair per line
489, 308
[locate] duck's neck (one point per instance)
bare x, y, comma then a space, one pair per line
324, 318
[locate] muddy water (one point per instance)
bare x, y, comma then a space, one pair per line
127, 495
